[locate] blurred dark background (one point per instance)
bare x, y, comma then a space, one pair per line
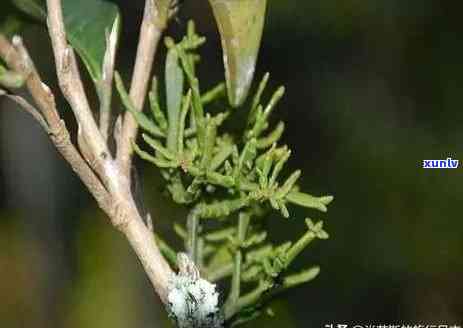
373, 88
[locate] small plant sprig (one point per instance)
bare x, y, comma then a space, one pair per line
229, 182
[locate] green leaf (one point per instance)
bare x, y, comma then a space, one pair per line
155, 107
141, 118
156, 145
316, 228
257, 96
174, 90
272, 137
309, 201
220, 235
301, 277
169, 253
155, 160
240, 25
213, 94
87, 22
182, 120
221, 257
288, 185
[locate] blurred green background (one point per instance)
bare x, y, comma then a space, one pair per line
374, 87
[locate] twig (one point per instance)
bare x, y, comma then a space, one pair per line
105, 86
124, 215
17, 58
28, 108
105, 181
72, 87
152, 26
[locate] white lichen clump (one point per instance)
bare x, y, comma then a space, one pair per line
193, 302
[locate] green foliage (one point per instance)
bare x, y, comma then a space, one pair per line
92, 29
87, 24
240, 25
229, 182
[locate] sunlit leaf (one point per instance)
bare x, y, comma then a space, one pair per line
87, 22
240, 24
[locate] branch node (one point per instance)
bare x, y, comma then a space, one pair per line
120, 219
47, 90
25, 63
59, 134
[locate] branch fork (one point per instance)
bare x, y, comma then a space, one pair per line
106, 175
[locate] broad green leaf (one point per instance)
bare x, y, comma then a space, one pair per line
86, 21
240, 24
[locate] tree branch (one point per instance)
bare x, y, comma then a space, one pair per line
24, 104
115, 175
105, 180
17, 58
153, 24
72, 87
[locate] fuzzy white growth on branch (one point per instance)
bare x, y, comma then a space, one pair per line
192, 301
